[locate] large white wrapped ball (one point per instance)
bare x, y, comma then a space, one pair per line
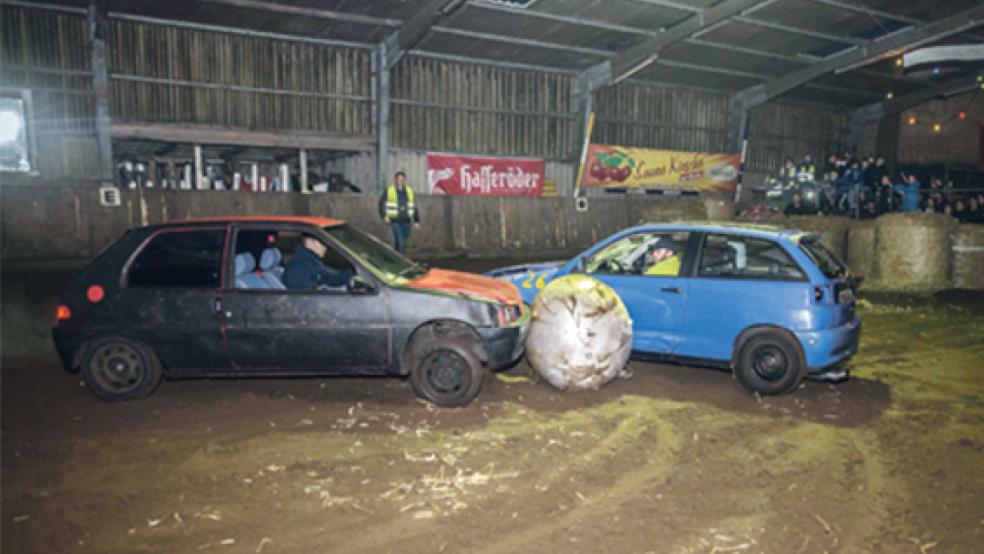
581, 334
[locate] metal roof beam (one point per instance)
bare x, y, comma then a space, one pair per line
856, 57
799, 31
672, 4
502, 8
637, 57
761, 77
848, 6
750, 51
523, 41
287, 9
415, 29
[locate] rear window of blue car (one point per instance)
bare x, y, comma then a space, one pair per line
739, 256
826, 261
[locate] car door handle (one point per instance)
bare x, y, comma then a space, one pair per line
675, 290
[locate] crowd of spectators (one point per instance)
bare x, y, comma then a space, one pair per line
864, 188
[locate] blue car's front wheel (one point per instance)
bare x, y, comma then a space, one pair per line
770, 363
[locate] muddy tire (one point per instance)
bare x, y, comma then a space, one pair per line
447, 372
770, 363
116, 368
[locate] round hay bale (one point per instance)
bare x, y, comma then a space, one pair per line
912, 252
581, 334
968, 257
832, 230
676, 209
861, 247
719, 209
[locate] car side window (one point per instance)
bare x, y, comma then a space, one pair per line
286, 259
179, 259
746, 257
647, 253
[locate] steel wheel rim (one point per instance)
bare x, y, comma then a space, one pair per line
118, 368
446, 372
770, 363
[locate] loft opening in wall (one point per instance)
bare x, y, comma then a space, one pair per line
16, 137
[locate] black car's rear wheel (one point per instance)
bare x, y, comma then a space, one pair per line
117, 368
770, 363
447, 373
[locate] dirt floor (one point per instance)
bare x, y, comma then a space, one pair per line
673, 460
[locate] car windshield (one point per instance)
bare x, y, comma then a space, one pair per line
388, 264
825, 260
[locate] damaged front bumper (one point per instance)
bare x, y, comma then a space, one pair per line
504, 345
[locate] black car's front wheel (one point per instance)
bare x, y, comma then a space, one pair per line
117, 368
770, 363
447, 373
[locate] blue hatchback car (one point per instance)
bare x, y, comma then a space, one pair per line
774, 305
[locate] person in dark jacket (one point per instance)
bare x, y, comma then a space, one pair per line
796, 207
873, 175
398, 208
305, 271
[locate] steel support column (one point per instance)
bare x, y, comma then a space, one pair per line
381, 112
100, 82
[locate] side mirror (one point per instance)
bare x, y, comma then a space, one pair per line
358, 285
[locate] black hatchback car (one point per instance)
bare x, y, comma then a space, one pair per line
277, 296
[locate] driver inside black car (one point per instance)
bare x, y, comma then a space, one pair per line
306, 271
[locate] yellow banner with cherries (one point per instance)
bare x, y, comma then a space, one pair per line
620, 167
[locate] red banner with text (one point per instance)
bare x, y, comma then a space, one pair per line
623, 167
484, 175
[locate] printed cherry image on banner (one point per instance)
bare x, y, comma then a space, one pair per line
484, 176
623, 167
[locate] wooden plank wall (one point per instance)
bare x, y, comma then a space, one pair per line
780, 129
652, 116
45, 51
457, 107
161, 73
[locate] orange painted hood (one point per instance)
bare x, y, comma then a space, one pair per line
467, 283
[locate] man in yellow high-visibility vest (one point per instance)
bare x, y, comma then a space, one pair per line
398, 209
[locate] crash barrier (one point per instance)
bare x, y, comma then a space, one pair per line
56, 224
912, 252
861, 247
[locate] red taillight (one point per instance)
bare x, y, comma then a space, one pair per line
95, 294
63, 313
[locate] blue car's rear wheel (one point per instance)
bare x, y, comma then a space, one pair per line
117, 368
448, 373
770, 362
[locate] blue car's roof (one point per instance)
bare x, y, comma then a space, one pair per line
737, 227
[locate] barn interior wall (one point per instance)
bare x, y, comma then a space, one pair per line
163, 73
46, 53
655, 116
780, 129
958, 140
64, 225
179, 75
